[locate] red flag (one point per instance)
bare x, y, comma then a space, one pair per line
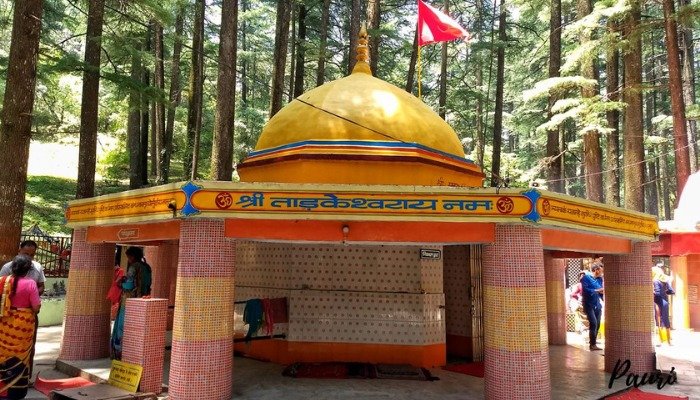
434, 26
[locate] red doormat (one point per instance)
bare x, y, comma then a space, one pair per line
45, 386
350, 370
473, 369
636, 394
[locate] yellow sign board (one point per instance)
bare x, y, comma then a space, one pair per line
125, 376
354, 202
573, 212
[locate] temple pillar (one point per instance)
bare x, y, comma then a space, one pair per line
201, 365
681, 311
556, 303
629, 310
86, 322
163, 261
144, 340
516, 357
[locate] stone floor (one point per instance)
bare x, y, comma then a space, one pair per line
576, 374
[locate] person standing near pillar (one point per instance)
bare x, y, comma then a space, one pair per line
662, 288
592, 294
136, 284
35, 273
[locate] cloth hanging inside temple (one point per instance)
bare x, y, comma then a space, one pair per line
264, 312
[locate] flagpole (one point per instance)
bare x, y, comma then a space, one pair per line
419, 70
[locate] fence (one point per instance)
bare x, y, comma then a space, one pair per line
52, 252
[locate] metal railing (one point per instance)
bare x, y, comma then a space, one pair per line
53, 253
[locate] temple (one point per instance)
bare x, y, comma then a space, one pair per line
679, 248
358, 207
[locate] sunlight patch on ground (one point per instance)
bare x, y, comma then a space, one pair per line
61, 159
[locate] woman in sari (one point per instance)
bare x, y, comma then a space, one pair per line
136, 283
19, 304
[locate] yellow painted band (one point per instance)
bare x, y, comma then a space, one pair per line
629, 308
555, 297
87, 291
203, 309
515, 319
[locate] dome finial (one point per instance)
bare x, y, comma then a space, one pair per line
362, 63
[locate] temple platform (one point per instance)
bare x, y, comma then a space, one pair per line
576, 373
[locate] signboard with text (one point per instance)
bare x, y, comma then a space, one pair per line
125, 376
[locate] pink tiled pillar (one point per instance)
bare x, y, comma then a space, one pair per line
144, 340
163, 261
556, 303
202, 355
629, 310
86, 321
516, 358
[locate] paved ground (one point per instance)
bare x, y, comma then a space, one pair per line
576, 374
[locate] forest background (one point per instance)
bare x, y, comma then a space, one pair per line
593, 98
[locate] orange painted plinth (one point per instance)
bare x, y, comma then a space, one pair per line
285, 352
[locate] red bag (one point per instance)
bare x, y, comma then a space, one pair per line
115, 291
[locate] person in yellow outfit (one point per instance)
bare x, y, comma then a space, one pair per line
662, 289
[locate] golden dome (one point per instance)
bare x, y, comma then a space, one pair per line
335, 131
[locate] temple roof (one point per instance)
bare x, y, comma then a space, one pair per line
686, 217
354, 123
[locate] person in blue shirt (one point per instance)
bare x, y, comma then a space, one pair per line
592, 285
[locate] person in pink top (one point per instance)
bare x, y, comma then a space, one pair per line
19, 304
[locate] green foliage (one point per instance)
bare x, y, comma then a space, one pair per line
114, 165
46, 199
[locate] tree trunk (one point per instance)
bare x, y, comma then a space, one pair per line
301, 51
480, 129
498, 110
145, 109
374, 18
664, 176
194, 111
688, 62
159, 78
554, 165
152, 137
355, 16
633, 123
133, 128
222, 148
592, 153
680, 134
16, 121
244, 61
411, 76
323, 33
442, 97
659, 188
612, 152
293, 50
174, 100
89, 108
280, 55
653, 195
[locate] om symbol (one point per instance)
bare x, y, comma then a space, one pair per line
546, 207
223, 200
505, 205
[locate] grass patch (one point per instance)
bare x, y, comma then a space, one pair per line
47, 197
